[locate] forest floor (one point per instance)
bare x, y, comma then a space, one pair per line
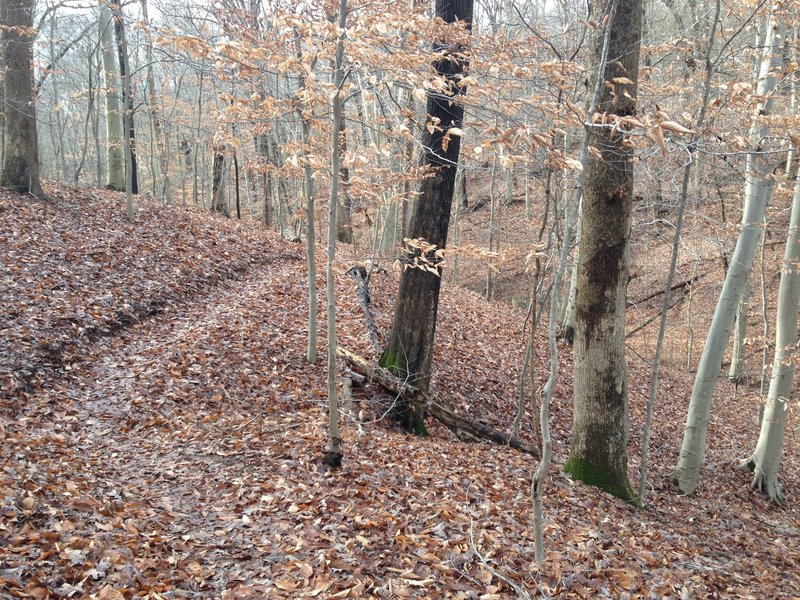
162, 437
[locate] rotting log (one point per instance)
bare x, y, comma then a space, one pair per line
458, 424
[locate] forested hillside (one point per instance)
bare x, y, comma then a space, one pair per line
413, 298
162, 434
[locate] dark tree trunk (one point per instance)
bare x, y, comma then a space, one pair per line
598, 452
218, 197
20, 168
127, 91
410, 350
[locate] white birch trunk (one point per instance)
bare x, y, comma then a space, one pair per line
766, 458
758, 188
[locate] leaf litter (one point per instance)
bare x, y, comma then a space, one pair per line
162, 436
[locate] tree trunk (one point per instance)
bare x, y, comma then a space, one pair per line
219, 201
758, 187
710, 70
308, 193
262, 147
736, 371
115, 161
333, 449
152, 104
20, 168
568, 326
598, 450
344, 226
410, 350
129, 130
766, 458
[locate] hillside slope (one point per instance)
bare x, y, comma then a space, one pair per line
170, 446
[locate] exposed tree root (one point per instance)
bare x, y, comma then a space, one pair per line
762, 482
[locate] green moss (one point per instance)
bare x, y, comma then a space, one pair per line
416, 422
410, 417
583, 470
395, 363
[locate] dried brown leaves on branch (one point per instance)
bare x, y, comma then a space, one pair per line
168, 445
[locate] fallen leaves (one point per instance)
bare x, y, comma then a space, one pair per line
178, 456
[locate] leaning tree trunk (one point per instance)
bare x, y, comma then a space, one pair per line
20, 168
410, 350
766, 458
598, 450
758, 188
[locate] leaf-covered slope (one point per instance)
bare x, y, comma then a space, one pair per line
76, 269
180, 457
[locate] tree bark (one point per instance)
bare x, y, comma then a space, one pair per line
333, 449
410, 350
598, 450
344, 226
219, 201
20, 168
766, 458
758, 188
152, 104
736, 371
129, 129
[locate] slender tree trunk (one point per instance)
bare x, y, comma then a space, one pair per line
568, 325
308, 192
90, 111
236, 184
20, 168
129, 130
765, 323
710, 70
489, 288
736, 371
598, 449
766, 458
344, 226
333, 450
758, 188
219, 200
409, 354
152, 104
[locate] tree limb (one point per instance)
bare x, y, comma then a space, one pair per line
458, 424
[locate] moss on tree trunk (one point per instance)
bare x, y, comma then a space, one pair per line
598, 449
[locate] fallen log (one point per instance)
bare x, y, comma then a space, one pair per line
458, 424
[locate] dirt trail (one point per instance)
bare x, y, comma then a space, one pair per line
161, 419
